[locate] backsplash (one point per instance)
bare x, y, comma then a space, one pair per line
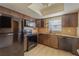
65, 30
69, 31
78, 25
78, 31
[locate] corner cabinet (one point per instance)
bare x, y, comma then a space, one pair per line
43, 39
48, 40
70, 20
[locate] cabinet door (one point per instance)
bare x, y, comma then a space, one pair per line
53, 41
43, 39
70, 20
48, 40
73, 20
40, 38
65, 20
40, 23
65, 44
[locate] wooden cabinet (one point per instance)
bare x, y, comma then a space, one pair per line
53, 41
40, 23
74, 19
43, 39
61, 42
65, 21
70, 20
48, 40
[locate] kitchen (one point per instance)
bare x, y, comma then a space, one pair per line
64, 37
59, 32
55, 34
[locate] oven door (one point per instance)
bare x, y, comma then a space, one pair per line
31, 41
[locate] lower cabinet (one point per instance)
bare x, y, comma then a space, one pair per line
61, 42
43, 39
48, 40
53, 41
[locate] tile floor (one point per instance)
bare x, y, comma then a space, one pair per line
42, 50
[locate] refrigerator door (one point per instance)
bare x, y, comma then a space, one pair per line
6, 39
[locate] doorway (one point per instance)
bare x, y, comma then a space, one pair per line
15, 31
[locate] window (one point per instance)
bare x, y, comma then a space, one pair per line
55, 24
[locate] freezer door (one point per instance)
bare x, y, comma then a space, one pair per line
6, 40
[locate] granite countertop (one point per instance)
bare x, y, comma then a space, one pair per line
61, 35
67, 35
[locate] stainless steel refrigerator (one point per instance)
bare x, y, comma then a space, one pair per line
6, 33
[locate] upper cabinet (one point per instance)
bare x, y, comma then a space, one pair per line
40, 23
67, 20
70, 20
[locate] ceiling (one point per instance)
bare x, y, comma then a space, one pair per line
42, 10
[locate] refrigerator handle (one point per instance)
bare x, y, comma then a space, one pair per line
10, 34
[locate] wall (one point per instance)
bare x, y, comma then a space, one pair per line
65, 30
43, 30
68, 31
78, 25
